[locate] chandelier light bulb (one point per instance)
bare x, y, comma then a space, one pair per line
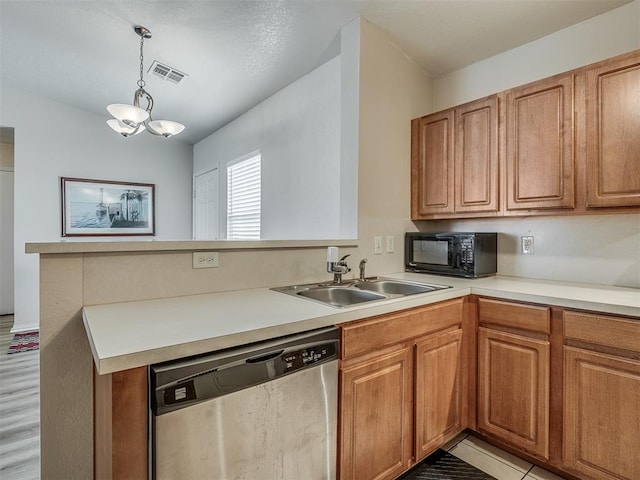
166, 128
128, 114
131, 119
124, 129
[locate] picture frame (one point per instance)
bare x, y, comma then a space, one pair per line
98, 208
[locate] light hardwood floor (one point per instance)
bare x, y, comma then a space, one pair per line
19, 409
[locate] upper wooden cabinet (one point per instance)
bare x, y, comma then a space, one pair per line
540, 145
613, 133
455, 161
432, 164
567, 144
476, 156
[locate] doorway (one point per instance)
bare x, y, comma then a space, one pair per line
6, 220
206, 205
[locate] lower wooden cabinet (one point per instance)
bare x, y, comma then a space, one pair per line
395, 397
376, 417
601, 415
513, 390
438, 391
601, 408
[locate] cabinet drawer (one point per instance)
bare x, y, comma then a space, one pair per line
603, 330
378, 332
514, 315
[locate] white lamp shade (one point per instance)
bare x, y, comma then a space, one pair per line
123, 129
167, 128
128, 113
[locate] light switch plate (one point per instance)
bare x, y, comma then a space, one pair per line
390, 244
527, 244
377, 245
205, 259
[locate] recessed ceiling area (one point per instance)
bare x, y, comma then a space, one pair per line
239, 52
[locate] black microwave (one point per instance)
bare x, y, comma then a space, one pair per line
459, 254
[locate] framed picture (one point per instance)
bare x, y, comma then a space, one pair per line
105, 208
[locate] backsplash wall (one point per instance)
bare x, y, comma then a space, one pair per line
601, 249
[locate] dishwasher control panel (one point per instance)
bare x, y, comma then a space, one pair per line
308, 356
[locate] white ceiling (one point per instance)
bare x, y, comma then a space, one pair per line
239, 52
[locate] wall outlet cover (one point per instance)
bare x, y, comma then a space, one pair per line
527, 244
205, 259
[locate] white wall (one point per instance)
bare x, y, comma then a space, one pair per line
604, 36
595, 248
297, 132
393, 90
54, 140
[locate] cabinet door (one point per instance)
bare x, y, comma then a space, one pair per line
437, 391
601, 415
613, 133
476, 156
432, 168
539, 145
376, 418
513, 389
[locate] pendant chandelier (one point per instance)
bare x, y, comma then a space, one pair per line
132, 119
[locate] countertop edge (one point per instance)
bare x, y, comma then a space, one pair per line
509, 290
67, 247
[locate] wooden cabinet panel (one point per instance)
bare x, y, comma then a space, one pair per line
121, 424
601, 415
513, 390
376, 417
613, 133
602, 330
375, 333
476, 156
540, 145
438, 391
432, 164
535, 318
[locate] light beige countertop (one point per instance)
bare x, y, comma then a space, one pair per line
133, 334
151, 245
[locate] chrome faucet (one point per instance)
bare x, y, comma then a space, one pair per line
338, 269
361, 267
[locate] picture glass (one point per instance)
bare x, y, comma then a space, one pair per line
103, 207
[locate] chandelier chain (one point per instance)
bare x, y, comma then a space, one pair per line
141, 82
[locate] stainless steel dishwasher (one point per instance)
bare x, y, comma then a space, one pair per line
265, 411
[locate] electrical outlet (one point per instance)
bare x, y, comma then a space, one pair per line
205, 259
390, 244
527, 244
377, 245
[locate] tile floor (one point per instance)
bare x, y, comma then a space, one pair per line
494, 461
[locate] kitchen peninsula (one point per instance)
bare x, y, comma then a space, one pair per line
143, 303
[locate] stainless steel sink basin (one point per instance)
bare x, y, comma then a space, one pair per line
353, 292
396, 287
340, 296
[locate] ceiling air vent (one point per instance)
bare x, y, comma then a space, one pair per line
166, 73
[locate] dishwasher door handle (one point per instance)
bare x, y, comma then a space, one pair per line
264, 358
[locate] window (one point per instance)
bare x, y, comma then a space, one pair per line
243, 199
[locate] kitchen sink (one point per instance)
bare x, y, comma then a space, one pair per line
396, 287
352, 292
340, 296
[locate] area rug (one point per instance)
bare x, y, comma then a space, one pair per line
442, 465
24, 342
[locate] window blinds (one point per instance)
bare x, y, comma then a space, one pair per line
243, 199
